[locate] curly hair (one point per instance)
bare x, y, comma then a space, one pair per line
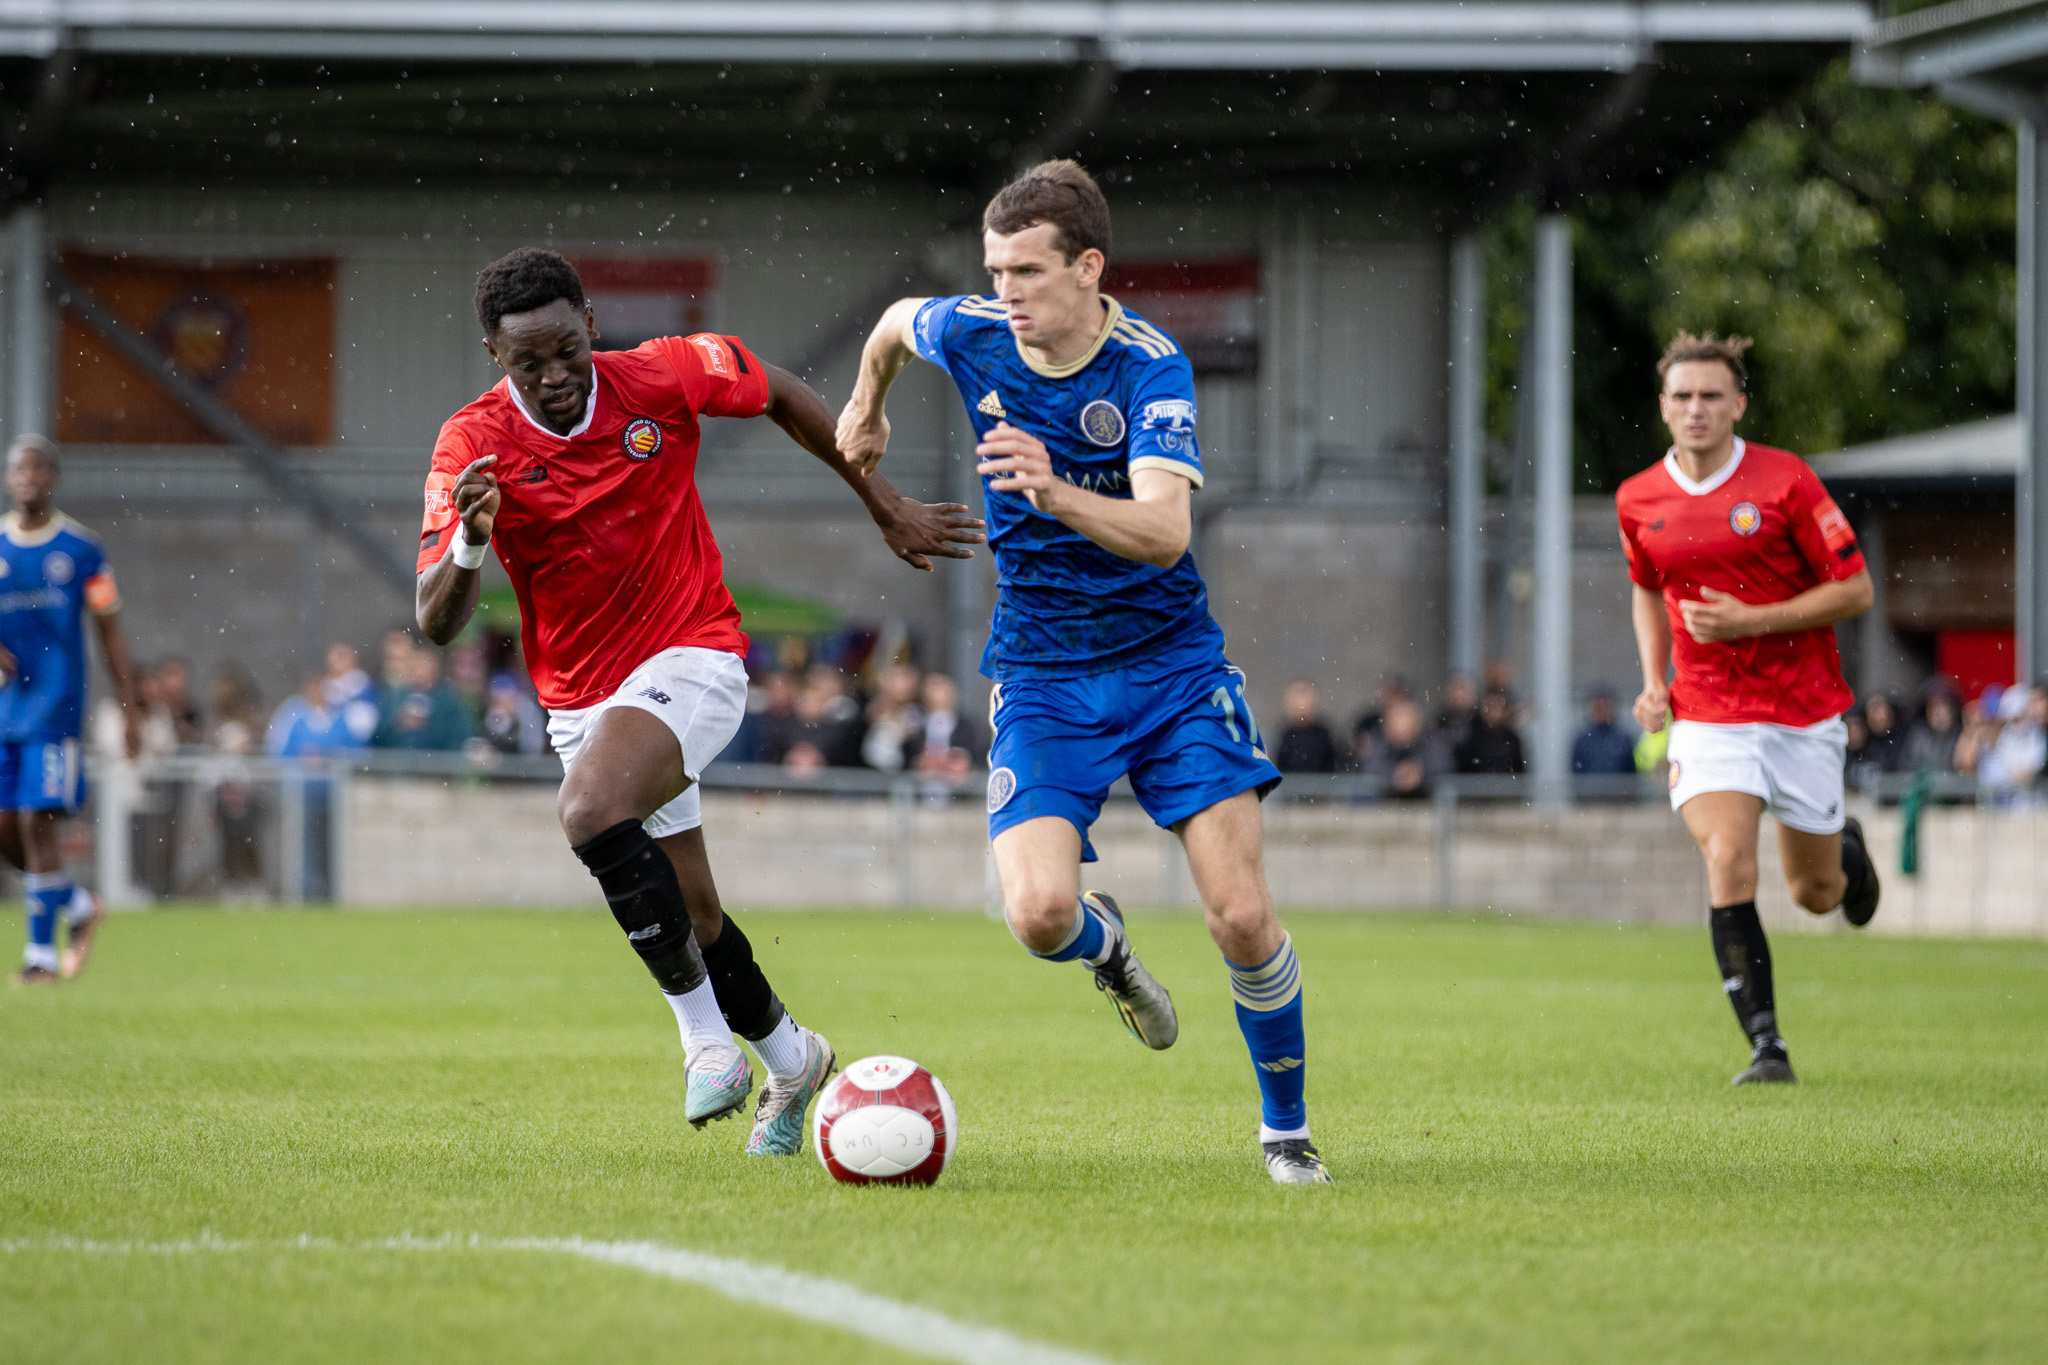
522, 280
1686, 348
1055, 192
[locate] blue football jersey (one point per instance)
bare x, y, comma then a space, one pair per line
1065, 606
51, 578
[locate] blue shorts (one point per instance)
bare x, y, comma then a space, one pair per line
42, 775
1177, 722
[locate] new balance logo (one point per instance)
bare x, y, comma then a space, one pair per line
656, 695
1283, 1064
649, 932
991, 406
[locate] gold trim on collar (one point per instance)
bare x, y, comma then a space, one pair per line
1115, 313
10, 526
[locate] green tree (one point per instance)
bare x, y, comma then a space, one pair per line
1864, 237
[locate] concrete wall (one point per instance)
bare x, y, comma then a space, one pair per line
428, 843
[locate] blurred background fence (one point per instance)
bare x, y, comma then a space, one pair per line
399, 829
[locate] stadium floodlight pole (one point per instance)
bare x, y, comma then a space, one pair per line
2031, 487
1551, 335
1468, 437
223, 421
29, 335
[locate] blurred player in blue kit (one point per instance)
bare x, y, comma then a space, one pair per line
1104, 655
53, 576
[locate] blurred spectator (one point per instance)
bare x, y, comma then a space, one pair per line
469, 672
237, 710
1931, 743
1365, 731
1602, 747
1460, 709
238, 725
951, 742
773, 725
305, 726
349, 690
1306, 745
513, 721
894, 716
1876, 745
425, 713
1492, 746
827, 729
1404, 758
174, 701
1980, 731
2021, 750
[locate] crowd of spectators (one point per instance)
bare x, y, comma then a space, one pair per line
807, 716
2000, 737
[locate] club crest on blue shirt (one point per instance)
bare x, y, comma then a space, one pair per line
641, 438
1102, 423
58, 568
1744, 519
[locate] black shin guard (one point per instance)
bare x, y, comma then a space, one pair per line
1745, 960
640, 886
744, 995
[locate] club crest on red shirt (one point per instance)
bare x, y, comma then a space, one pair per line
642, 438
1744, 519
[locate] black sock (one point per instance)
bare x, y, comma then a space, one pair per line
1745, 961
744, 995
640, 886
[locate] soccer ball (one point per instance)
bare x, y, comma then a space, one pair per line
885, 1121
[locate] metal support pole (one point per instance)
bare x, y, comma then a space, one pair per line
1551, 334
2030, 598
1874, 629
1301, 423
28, 344
1468, 437
312, 597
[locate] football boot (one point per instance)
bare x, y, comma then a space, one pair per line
1859, 903
1295, 1161
34, 975
1768, 1065
1142, 1003
779, 1115
718, 1080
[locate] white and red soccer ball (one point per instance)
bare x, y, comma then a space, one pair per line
885, 1121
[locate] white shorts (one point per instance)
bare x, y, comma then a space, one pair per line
700, 694
1795, 770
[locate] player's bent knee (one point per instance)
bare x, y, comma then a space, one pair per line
1819, 895
585, 814
1040, 921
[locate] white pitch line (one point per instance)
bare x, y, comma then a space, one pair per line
906, 1327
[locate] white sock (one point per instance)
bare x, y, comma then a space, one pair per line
81, 907
36, 955
784, 1051
1276, 1135
698, 1016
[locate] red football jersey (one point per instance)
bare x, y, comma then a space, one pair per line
1760, 528
602, 530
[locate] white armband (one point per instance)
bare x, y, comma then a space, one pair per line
466, 555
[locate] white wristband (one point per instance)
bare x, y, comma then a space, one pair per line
467, 556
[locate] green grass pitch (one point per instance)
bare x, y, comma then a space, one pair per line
1538, 1154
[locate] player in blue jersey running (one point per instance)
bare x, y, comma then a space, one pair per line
1104, 655
53, 575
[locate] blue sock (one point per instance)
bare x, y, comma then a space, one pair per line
1089, 940
47, 894
1269, 1012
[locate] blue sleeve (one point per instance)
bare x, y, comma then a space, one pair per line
1163, 420
930, 329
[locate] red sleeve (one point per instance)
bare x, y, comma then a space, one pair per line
452, 453
1641, 572
1823, 533
719, 375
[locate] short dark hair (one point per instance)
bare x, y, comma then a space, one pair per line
1055, 192
1686, 348
523, 280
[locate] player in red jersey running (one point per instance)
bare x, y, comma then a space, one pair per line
580, 467
1742, 564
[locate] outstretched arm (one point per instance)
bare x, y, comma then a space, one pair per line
447, 592
863, 434
912, 529
121, 668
